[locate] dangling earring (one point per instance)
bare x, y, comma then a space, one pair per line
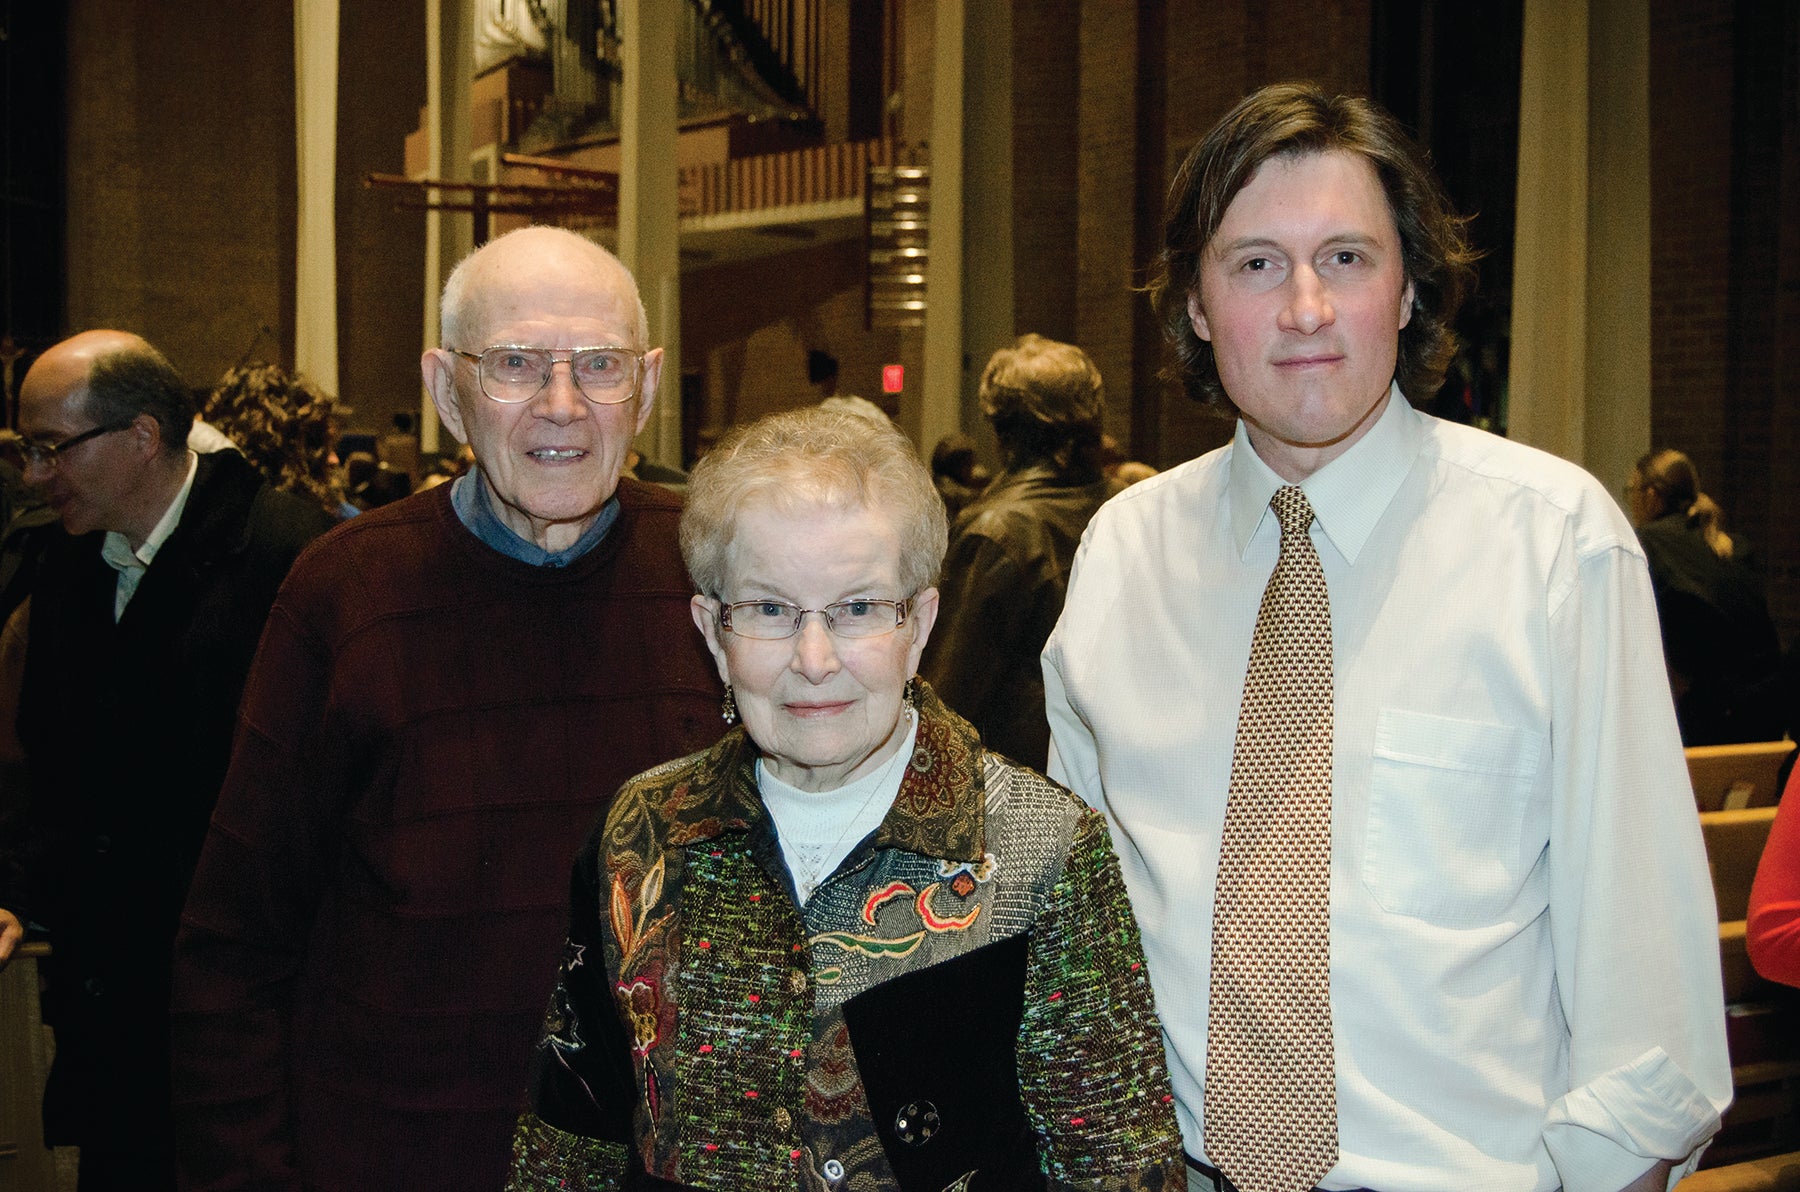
728, 706
910, 693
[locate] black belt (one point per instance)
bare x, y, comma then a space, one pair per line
1218, 1177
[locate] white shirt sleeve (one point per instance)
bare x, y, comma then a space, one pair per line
1630, 896
1074, 760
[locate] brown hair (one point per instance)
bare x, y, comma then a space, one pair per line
1291, 120
1046, 401
1672, 477
284, 426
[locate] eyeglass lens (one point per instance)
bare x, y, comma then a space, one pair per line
519, 374
847, 618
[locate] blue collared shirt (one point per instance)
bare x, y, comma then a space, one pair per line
473, 501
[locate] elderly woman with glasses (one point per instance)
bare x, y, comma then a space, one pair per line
845, 948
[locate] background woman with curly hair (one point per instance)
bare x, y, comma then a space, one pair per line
285, 426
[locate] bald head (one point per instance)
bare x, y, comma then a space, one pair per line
484, 289
64, 367
110, 377
116, 415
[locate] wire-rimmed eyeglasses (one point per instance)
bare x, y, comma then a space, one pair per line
771, 620
606, 376
43, 452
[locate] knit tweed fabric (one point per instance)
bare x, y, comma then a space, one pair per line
1271, 1104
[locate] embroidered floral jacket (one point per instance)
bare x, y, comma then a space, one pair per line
962, 1005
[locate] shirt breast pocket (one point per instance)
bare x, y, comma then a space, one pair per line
1446, 836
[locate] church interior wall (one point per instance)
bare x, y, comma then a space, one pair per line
180, 209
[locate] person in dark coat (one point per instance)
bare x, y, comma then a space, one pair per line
145, 614
1011, 548
1722, 650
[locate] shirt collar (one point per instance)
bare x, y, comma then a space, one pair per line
1348, 495
116, 549
473, 499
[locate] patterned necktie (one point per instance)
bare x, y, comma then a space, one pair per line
1271, 1097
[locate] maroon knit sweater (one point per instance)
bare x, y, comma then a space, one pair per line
429, 732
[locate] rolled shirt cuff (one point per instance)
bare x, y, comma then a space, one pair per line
1609, 1131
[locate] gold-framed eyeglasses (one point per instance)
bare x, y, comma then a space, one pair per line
510, 374
772, 620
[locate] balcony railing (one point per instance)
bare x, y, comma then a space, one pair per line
800, 177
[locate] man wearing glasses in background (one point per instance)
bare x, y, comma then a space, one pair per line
143, 622
449, 691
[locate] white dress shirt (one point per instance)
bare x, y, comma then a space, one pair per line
1524, 954
205, 439
131, 564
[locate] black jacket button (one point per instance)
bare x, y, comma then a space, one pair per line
916, 1123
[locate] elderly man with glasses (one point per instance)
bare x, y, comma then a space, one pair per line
145, 616
449, 692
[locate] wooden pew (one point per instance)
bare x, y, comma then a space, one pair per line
1731, 777
1776, 1173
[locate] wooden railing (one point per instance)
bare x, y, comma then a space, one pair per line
25, 1164
820, 174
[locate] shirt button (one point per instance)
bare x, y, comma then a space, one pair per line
796, 981
833, 1170
783, 1120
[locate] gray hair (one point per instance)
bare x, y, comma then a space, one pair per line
810, 459
455, 326
140, 380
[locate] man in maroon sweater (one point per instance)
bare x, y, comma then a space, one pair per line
449, 691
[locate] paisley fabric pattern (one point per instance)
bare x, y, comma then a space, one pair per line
727, 998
